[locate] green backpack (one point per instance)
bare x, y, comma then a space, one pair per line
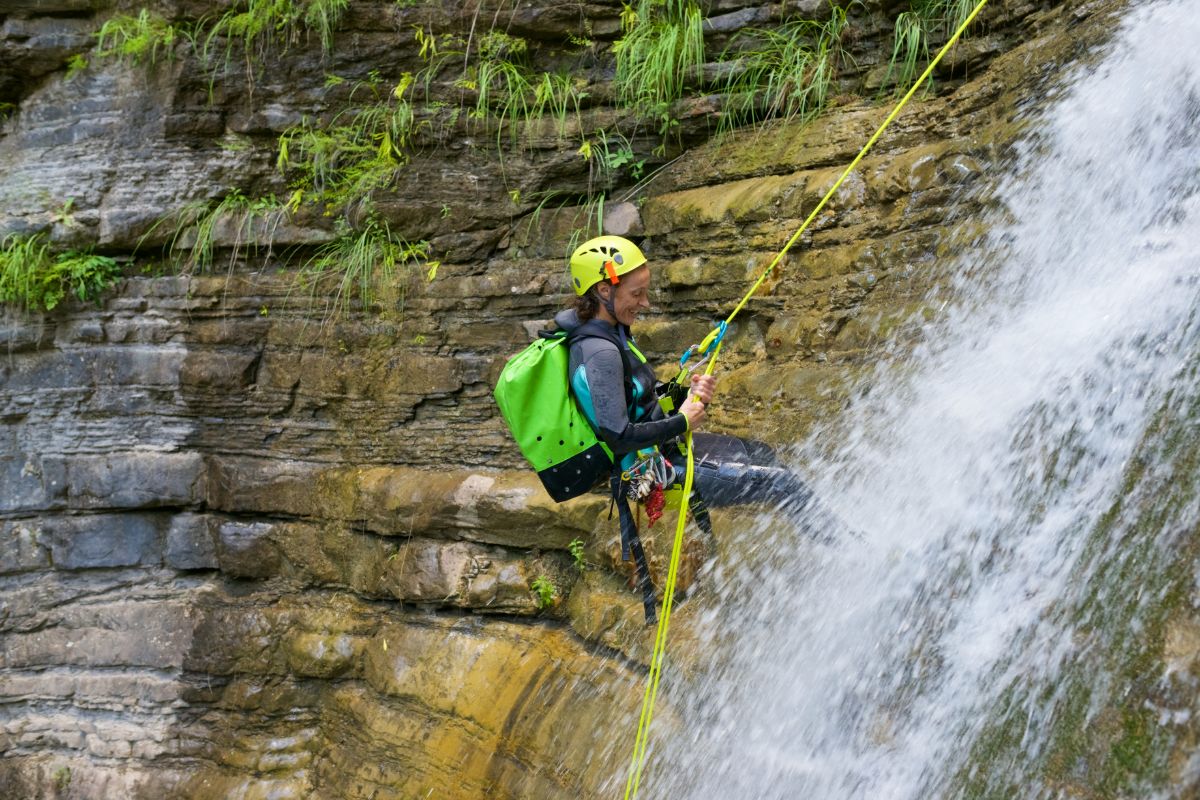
554, 436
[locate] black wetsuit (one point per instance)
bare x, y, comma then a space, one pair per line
616, 392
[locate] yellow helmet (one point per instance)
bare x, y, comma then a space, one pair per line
603, 258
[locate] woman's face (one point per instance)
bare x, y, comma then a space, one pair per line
631, 296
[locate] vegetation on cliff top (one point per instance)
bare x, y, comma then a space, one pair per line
337, 160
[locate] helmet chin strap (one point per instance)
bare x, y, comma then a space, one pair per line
608, 303
610, 306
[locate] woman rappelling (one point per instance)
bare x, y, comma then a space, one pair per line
636, 421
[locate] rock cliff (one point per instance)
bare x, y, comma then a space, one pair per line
251, 547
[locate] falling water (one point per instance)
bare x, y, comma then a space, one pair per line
1020, 481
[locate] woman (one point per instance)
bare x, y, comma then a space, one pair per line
617, 391
615, 387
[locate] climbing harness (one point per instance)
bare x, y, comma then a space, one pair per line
658, 655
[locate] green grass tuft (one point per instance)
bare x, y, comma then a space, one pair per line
660, 53
784, 72
198, 224
368, 265
915, 29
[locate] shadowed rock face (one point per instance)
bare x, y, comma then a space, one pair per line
249, 552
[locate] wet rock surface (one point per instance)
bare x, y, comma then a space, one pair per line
246, 551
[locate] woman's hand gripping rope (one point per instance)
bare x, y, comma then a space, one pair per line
701, 395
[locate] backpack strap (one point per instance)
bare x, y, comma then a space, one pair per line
599, 329
631, 546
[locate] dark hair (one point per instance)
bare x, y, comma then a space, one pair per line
587, 305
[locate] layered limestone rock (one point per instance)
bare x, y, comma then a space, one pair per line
251, 550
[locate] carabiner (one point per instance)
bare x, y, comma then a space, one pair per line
705, 347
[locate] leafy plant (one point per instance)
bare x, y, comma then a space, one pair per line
437, 52
341, 163
576, 549
65, 215
364, 264
622, 157
61, 778
34, 278
614, 153
75, 64
136, 39
258, 24
499, 46
543, 591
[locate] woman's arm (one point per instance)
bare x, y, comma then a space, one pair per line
599, 386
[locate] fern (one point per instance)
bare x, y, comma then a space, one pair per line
340, 164
35, 279
259, 25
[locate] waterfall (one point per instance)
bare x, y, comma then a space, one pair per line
1023, 479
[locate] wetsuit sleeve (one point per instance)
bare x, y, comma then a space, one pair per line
599, 385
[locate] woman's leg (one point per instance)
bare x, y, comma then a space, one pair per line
731, 471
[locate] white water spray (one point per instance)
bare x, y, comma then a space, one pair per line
995, 472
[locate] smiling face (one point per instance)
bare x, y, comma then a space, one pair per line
630, 297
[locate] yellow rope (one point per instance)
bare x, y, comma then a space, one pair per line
641, 742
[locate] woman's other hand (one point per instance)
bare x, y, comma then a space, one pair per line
703, 387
